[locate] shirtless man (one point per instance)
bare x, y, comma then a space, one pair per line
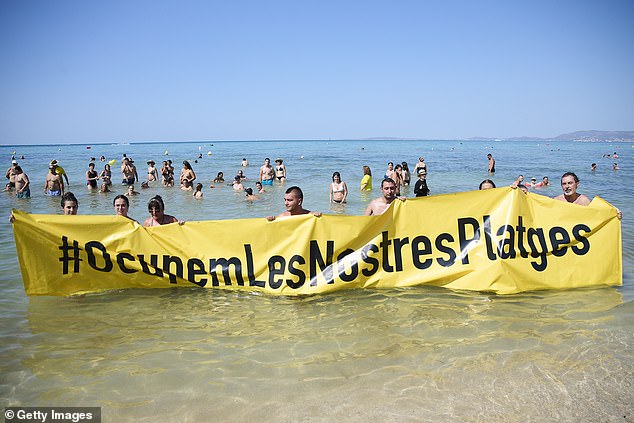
22, 189
60, 171
10, 175
379, 205
293, 199
569, 184
267, 173
491, 163
128, 170
54, 184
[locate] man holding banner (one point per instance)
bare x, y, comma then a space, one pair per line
379, 205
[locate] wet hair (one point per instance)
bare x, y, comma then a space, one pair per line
249, 191
398, 166
125, 199
367, 171
336, 174
405, 166
187, 165
237, 178
156, 201
486, 181
18, 169
199, 186
570, 174
297, 190
388, 180
68, 196
258, 183
91, 164
220, 175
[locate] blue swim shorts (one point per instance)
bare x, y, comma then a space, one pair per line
267, 181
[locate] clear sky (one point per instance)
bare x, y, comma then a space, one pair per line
115, 71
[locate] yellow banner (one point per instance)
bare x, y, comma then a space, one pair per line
499, 240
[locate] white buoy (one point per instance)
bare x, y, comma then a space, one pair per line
209, 153
166, 152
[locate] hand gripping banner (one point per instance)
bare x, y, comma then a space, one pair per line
499, 240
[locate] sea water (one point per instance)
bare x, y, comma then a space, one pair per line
418, 354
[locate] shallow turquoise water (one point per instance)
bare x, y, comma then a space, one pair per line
422, 354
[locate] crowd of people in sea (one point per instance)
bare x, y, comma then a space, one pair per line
394, 179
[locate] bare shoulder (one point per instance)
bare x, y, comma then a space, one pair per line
582, 200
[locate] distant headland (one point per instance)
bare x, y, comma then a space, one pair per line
579, 136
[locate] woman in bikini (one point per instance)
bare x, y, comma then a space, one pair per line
338, 189
106, 175
157, 214
167, 173
152, 173
280, 170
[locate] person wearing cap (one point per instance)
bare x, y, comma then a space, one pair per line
54, 184
10, 175
152, 173
280, 170
60, 171
544, 183
533, 182
420, 188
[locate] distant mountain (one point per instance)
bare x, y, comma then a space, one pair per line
583, 136
626, 136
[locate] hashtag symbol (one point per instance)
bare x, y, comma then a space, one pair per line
65, 258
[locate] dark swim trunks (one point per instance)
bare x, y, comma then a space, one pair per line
24, 194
